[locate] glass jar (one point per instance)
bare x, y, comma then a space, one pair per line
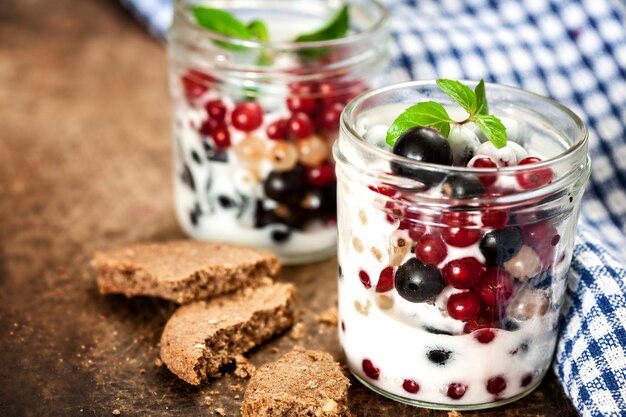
254, 122
448, 303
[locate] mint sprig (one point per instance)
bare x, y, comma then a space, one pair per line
337, 27
221, 21
427, 113
435, 115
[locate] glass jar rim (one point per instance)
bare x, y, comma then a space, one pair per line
191, 26
348, 123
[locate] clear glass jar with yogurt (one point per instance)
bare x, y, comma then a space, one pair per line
448, 302
254, 121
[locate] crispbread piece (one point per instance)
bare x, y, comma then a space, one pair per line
183, 270
301, 383
202, 336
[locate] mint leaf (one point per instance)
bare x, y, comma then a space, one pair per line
220, 21
427, 113
492, 128
337, 27
481, 99
460, 93
258, 29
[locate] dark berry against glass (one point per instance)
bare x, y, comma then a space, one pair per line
500, 245
423, 144
286, 187
417, 282
462, 186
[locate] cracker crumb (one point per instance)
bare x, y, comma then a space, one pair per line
298, 331
244, 368
274, 349
208, 401
329, 317
158, 362
236, 397
454, 414
213, 392
116, 412
220, 411
142, 371
236, 388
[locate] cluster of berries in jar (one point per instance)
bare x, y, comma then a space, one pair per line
286, 148
481, 267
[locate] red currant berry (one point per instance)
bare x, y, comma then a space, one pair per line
456, 391
484, 336
494, 287
320, 176
278, 129
494, 218
196, 83
496, 385
538, 234
216, 110
385, 281
526, 380
365, 279
370, 370
533, 178
247, 116
555, 240
206, 128
300, 126
462, 273
410, 386
485, 162
386, 191
430, 249
221, 136
416, 231
301, 104
457, 219
329, 118
463, 306
460, 237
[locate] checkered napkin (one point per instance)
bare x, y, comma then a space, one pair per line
575, 52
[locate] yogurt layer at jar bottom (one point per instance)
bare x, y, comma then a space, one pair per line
416, 350
219, 192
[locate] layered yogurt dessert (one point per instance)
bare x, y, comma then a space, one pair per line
454, 240
258, 91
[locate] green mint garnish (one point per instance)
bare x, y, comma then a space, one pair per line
222, 22
225, 23
434, 114
427, 113
481, 99
337, 27
258, 29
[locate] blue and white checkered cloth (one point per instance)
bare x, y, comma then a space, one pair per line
575, 52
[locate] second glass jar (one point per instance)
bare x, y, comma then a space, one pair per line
254, 122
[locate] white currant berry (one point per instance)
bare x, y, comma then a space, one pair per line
504, 156
526, 264
463, 142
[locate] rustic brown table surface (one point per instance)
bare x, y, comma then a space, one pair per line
85, 164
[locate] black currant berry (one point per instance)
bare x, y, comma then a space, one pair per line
439, 356
500, 245
286, 187
417, 282
462, 186
423, 144
187, 178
